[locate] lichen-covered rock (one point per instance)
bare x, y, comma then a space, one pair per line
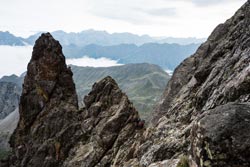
221, 136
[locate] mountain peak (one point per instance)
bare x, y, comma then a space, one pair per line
48, 97
108, 84
47, 44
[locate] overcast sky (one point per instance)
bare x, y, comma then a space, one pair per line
177, 18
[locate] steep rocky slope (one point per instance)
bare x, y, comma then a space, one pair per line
196, 100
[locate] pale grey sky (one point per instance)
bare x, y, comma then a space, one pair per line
177, 18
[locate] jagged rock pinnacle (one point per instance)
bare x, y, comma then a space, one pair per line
47, 99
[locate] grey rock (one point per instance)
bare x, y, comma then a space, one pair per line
217, 74
220, 136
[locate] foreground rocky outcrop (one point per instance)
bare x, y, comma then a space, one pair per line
201, 121
221, 136
217, 74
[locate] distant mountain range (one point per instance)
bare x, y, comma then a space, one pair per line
102, 38
7, 38
125, 48
168, 56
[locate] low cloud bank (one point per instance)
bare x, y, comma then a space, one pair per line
14, 60
170, 72
91, 62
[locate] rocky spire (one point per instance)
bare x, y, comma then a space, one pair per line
46, 107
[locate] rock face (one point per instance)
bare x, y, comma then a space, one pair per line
9, 98
218, 73
221, 136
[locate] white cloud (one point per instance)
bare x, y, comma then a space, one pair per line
91, 62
